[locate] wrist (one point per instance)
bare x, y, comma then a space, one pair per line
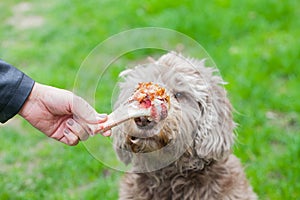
29, 103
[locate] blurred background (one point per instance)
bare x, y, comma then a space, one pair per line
255, 44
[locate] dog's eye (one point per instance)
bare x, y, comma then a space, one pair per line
178, 95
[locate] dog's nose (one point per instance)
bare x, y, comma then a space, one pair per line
144, 122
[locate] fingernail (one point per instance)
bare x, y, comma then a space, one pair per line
70, 122
102, 116
66, 131
90, 131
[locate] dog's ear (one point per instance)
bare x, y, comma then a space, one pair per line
214, 137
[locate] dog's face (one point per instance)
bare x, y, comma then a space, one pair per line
199, 119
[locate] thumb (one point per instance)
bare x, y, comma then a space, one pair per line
86, 115
84, 112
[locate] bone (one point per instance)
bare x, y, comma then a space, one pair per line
124, 113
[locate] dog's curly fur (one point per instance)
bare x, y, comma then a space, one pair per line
195, 140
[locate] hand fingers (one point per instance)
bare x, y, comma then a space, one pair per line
69, 138
93, 128
102, 118
99, 129
87, 119
83, 111
72, 139
78, 130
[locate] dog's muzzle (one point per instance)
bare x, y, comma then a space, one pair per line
158, 112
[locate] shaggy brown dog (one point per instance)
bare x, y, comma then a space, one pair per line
187, 155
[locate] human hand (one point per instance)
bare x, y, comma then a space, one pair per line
61, 115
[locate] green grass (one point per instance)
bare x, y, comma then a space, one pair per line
255, 44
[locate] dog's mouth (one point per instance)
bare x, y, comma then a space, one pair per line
146, 145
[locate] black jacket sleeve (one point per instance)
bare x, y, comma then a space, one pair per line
15, 87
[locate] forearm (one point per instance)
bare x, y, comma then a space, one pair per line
15, 88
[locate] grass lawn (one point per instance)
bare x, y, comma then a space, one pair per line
255, 44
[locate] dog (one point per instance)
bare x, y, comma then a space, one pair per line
188, 154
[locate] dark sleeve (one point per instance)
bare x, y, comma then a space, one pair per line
15, 87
